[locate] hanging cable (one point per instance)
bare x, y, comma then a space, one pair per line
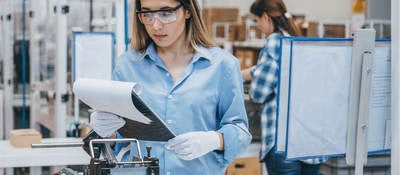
126, 24
24, 118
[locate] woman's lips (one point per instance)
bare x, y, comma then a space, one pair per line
159, 37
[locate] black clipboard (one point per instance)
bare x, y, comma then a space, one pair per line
155, 131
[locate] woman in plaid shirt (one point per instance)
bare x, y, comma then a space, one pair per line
273, 19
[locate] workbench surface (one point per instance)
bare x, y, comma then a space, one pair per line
28, 157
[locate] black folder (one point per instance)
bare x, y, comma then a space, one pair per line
155, 131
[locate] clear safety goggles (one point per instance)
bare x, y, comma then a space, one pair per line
165, 16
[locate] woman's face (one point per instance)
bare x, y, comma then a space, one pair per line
264, 23
165, 21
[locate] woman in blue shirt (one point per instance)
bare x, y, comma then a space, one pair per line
193, 86
274, 21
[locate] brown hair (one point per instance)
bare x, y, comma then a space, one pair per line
276, 9
196, 31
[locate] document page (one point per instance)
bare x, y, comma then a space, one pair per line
121, 98
379, 99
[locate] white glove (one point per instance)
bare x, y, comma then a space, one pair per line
105, 123
192, 145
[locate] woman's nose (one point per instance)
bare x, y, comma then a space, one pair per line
157, 23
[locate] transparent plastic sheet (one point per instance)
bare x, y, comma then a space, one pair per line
319, 93
301, 82
318, 81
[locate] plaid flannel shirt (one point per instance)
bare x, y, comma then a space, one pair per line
263, 89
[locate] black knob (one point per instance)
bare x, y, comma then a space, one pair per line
148, 149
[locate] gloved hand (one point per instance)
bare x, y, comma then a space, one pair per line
105, 123
192, 145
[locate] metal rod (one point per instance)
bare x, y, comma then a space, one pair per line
57, 145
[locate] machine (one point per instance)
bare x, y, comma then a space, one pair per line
104, 162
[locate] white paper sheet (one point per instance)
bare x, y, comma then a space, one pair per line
93, 55
319, 92
109, 96
379, 99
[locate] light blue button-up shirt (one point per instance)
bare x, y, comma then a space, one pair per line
207, 96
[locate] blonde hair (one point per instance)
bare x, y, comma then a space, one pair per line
195, 29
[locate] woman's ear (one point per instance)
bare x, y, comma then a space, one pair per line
265, 17
187, 14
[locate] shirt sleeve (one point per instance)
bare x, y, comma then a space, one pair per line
232, 115
264, 78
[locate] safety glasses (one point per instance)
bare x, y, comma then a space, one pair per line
147, 17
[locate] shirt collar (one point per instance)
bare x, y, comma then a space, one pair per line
200, 53
150, 52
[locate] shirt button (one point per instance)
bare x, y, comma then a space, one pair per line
170, 96
167, 74
169, 121
168, 173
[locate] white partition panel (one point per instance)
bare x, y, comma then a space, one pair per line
93, 57
314, 93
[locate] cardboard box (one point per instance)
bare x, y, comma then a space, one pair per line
334, 31
312, 29
300, 22
241, 32
236, 32
24, 137
249, 58
244, 166
329, 30
257, 32
215, 14
239, 54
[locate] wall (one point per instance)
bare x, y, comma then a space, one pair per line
313, 9
378, 9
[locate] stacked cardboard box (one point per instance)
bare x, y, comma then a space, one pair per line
334, 31
329, 30
217, 14
236, 32
247, 57
312, 29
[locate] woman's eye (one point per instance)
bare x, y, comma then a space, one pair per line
166, 14
147, 15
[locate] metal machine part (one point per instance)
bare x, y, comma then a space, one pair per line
104, 162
